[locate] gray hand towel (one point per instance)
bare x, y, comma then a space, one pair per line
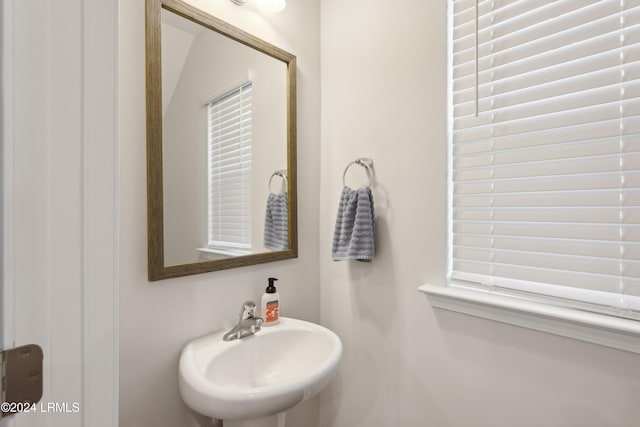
276, 222
354, 235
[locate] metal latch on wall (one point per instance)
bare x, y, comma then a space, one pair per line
21, 378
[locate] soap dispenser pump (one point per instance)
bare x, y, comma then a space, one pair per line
271, 304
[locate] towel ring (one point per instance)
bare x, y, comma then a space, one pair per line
282, 174
366, 163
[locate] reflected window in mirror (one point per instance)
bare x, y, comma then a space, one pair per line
230, 117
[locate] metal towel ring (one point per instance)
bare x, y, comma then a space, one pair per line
282, 174
366, 163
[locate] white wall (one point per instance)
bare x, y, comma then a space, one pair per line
156, 320
405, 364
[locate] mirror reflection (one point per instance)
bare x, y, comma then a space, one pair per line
221, 145
224, 145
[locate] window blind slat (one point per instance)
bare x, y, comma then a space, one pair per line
582, 247
593, 117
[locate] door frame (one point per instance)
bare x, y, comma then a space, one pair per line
74, 81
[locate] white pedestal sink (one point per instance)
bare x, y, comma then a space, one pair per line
249, 381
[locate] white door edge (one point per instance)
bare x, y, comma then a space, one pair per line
91, 366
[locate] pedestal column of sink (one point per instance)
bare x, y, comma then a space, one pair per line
270, 421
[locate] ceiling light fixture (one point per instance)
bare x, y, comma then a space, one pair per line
271, 6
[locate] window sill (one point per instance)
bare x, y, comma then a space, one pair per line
224, 251
622, 334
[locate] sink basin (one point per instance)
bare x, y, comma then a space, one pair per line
260, 375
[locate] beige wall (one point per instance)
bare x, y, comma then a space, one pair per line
405, 364
156, 320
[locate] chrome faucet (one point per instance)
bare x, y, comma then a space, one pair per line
248, 324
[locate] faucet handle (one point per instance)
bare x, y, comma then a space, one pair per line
248, 310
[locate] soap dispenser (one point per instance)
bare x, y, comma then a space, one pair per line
271, 304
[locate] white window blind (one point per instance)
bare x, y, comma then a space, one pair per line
544, 155
230, 170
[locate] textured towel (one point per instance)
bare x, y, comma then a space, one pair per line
276, 222
354, 236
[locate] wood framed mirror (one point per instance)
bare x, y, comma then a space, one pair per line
221, 145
